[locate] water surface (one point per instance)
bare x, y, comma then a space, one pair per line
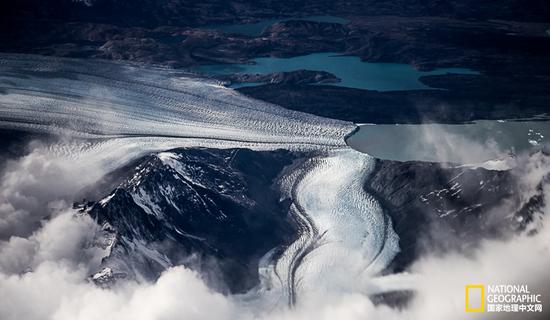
353, 72
461, 143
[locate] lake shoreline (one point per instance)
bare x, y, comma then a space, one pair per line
352, 71
466, 98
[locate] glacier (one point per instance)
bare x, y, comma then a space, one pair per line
109, 100
110, 113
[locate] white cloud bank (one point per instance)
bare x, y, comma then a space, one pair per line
37, 186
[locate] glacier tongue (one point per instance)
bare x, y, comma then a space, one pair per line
94, 99
346, 239
356, 238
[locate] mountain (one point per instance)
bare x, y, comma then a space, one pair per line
220, 211
434, 207
208, 209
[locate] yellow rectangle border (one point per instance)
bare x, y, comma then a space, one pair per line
482, 306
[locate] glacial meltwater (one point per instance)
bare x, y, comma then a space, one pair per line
353, 72
470, 143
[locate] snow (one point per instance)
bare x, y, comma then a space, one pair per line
103, 202
495, 165
103, 274
143, 199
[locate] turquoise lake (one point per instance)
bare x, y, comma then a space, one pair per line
255, 29
353, 72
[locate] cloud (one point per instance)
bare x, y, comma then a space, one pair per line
521, 260
57, 291
47, 254
65, 239
437, 143
178, 294
37, 186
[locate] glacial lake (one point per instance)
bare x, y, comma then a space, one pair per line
353, 72
471, 143
255, 29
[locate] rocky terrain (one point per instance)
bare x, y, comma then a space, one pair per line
186, 12
299, 77
425, 42
507, 43
442, 208
463, 98
212, 210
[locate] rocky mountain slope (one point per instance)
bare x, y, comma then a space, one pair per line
208, 209
442, 207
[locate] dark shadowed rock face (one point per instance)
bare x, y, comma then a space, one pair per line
208, 209
12, 144
465, 98
437, 209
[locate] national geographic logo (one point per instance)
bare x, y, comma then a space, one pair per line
475, 298
501, 298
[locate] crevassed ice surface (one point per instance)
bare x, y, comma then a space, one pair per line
356, 237
345, 241
346, 238
106, 99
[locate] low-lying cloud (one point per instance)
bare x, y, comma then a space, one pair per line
37, 186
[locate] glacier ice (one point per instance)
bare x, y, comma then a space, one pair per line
346, 240
116, 112
108, 100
